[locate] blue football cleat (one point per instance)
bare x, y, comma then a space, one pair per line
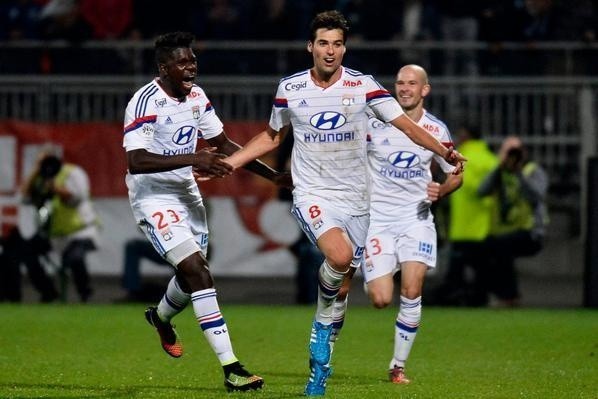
319, 343
316, 385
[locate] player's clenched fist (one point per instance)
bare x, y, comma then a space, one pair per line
454, 157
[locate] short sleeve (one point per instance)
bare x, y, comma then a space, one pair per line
209, 124
279, 117
140, 117
381, 102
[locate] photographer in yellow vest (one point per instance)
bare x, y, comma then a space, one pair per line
68, 216
518, 186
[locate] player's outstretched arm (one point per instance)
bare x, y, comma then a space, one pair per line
420, 137
226, 146
259, 145
205, 161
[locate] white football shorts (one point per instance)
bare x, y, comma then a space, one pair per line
389, 245
316, 216
170, 221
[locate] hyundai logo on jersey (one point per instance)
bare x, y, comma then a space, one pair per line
184, 135
403, 159
327, 120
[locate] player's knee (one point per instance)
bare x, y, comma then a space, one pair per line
342, 293
340, 260
411, 292
379, 299
194, 270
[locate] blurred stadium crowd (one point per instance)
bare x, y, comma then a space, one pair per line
485, 21
287, 20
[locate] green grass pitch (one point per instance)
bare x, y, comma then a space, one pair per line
109, 351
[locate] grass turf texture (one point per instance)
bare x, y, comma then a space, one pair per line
86, 351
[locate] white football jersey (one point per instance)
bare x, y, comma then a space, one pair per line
162, 125
400, 169
329, 128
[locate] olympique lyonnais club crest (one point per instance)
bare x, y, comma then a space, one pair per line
195, 110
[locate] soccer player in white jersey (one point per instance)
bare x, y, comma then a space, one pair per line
326, 105
163, 122
402, 235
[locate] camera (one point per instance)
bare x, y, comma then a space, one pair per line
515, 154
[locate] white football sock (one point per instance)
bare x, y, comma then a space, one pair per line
207, 312
329, 283
406, 325
339, 309
173, 302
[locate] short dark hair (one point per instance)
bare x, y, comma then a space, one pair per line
49, 166
168, 42
332, 19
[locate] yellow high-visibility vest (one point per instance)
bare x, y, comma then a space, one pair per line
65, 219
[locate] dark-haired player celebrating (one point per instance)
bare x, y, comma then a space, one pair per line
163, 122
326, 105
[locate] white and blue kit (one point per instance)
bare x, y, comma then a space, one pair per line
328, 162
168, 205
401, 224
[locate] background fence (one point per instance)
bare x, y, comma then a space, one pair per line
556, 117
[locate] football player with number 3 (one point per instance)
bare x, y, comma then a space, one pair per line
326, 105
402, 234
163, 122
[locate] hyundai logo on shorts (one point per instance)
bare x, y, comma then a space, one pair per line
327, 120
184, 135
403, 159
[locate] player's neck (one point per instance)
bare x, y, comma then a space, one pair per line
415, 114
166, 88
325, 81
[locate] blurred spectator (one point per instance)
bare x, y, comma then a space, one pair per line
135, 250
151, 18
29, 241
494, 16
369, 24
19, 19
61, 19
16, 250
584, 18
421, 21
108, 19
224, 20
70, 220
546, 20
551, 20
276, 23
459, 23
469, 225
528, 21
518, 186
